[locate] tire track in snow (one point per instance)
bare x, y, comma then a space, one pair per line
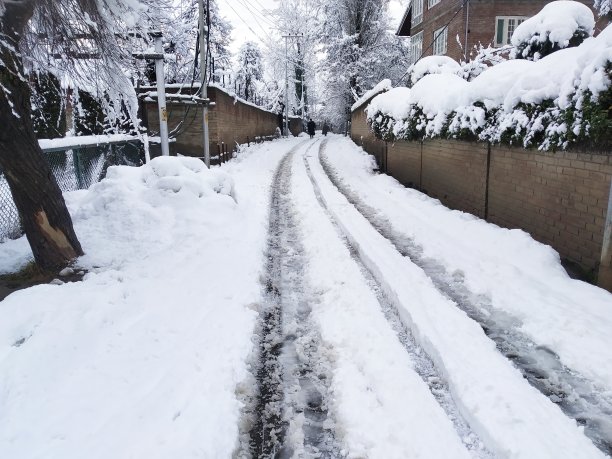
577, 397
423, 365
289, 414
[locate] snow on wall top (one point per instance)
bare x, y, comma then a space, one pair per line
556, 22
86, 140
383, 86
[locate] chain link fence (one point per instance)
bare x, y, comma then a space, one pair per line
74, 169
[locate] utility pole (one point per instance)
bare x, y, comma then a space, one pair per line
203, 82
161, 94
287, 37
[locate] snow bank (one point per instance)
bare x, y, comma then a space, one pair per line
533, 103
144, 357
557, 23
383, 86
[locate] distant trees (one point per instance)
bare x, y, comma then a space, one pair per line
360, 51
250, 70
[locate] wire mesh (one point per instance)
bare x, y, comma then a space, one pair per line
74, 169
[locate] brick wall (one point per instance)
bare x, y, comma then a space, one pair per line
363, 136
560, 198
229, 122
455, 173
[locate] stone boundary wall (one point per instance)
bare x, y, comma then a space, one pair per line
560, 198
230, 122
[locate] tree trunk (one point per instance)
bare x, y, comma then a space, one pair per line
38, 198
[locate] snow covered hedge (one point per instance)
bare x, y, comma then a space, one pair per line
560, 24
562, 99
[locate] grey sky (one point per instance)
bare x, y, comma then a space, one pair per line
250, 23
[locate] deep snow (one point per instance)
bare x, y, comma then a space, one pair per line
151, 354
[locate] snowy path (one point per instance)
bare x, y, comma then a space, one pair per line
578, 397
505, 411
290, 409
254, 311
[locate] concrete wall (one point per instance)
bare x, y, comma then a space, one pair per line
560, 198
229, 122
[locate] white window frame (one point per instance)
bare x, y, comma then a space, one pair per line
432, 3
440, 41
506, 31
416, 47
417, 12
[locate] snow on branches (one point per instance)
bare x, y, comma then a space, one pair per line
604, 7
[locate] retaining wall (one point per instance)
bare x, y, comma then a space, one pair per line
230, 121
560, 198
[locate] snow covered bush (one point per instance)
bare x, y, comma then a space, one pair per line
482, 58
560, 24
432, 65
562, 99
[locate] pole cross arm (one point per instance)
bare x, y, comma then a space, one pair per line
149, 56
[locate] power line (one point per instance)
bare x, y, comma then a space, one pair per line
253, 9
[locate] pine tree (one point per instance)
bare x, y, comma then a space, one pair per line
250, 69
48, 107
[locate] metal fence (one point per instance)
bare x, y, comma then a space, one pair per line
74, 169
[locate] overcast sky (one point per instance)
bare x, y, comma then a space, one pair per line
251, 24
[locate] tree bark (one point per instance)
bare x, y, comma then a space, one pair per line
38, 198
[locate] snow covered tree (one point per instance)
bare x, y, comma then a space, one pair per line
48, 106
604, 7
178, 21
300, 19
360, 52
249, 73
52, 34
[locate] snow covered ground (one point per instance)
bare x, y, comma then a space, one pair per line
157, 352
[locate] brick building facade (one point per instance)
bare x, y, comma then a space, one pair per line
454, 27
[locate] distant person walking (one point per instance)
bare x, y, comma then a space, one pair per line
325, 129
311, 128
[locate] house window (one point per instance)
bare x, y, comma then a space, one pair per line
416, 47
417, 12
505, 27
431, 3
440, 38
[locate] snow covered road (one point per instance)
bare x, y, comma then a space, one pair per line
295, 304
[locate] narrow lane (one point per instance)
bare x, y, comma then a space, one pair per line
512, 416
573, 393
423, 365
290, 409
